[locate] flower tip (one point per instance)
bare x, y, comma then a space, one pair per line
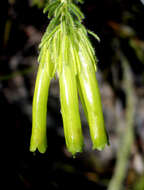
75, 150
100, 146
32, 149
41, 148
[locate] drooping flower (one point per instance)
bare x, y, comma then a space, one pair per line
66, 50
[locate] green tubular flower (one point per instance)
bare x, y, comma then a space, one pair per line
69, 101
66, 50
38, 137
90, 98
70, 110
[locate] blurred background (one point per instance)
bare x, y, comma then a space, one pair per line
120, 26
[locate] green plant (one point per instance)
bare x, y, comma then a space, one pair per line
66, 50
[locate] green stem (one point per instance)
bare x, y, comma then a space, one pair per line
117, 180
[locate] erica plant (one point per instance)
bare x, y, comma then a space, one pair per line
66, 51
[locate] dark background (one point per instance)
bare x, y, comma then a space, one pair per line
119, 24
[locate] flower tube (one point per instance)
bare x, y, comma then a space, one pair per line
70, 106
70, 111
38, 137
92, 102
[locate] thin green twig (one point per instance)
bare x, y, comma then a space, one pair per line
124, 151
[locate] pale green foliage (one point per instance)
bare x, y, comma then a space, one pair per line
67, 19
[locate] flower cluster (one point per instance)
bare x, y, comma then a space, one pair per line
65, 50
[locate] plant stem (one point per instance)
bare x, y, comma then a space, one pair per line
124, 151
